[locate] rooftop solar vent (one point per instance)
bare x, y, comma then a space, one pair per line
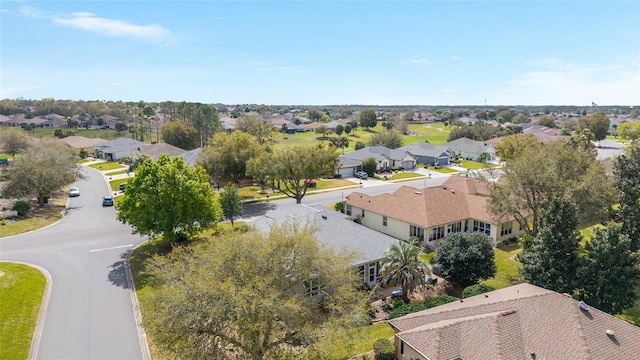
583, 306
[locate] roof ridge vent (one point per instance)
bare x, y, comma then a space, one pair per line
417, 192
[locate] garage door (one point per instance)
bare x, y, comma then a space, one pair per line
346, 172
407, 164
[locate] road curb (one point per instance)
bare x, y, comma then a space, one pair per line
142, 335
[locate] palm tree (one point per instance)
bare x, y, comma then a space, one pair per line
402, 266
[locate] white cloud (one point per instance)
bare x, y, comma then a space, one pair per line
456, 57
109, 27
420, 60
554, 82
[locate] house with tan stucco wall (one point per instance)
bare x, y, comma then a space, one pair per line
430, 214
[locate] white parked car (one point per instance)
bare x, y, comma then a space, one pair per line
74, 191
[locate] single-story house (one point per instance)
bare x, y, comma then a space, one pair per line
117, 149
81, 142
518, 322
471, 149
387, 159
336, 230
348, 167
190, 157
430, 214
155, 150
429, 154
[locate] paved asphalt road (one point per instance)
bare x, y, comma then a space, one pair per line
90, 312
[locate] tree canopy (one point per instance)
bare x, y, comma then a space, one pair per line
178, 133
629, 130
168, 198
231, 202
542, 173
227, 155
389, 138
598, 123
14, 141
368, 118
45, 166
252, 295
627, 180
511, 146
551, 261
291, 169
466, 258
609, 273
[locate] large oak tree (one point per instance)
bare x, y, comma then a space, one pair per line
46, 166
168, 198
543, 173
250, 295
290, 170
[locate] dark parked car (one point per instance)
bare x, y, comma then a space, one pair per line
362, 175
123, 186
107, 200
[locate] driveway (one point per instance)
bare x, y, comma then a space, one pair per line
90, 312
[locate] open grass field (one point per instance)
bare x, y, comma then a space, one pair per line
435, 133
21, 291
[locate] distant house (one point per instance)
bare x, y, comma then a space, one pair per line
190, 157
155, 150
338, 232
429, 154
518, 322
386, 159
117, 149
83, 143
471, 149
431, 214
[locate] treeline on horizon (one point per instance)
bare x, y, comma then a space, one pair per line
121, 109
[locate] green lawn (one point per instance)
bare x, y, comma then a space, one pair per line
48, 215
119, 172
108, 166
435, 133
507, 267
115, 184
21, 291
405, 175
444, 170
344, 344
252, 192
475, 165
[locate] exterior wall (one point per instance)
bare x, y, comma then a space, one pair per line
396, 228
406, 352
516, 231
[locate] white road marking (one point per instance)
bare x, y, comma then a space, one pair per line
111, 248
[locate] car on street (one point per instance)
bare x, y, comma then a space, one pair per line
74, 191
107, 200
362, 175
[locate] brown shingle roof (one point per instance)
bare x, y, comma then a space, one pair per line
459, 198
513, 323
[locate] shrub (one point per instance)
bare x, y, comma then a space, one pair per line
440, 300
337, 176
476, 289
371, 312
339, 207
396, 303
384, 349
386, 307
22, 207
407, 309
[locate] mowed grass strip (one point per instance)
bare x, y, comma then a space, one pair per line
21, 291
102, 166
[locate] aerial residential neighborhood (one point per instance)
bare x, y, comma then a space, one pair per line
335, 180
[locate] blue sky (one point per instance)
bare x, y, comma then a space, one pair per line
323, 53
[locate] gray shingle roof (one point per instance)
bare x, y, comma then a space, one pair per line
334, 230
